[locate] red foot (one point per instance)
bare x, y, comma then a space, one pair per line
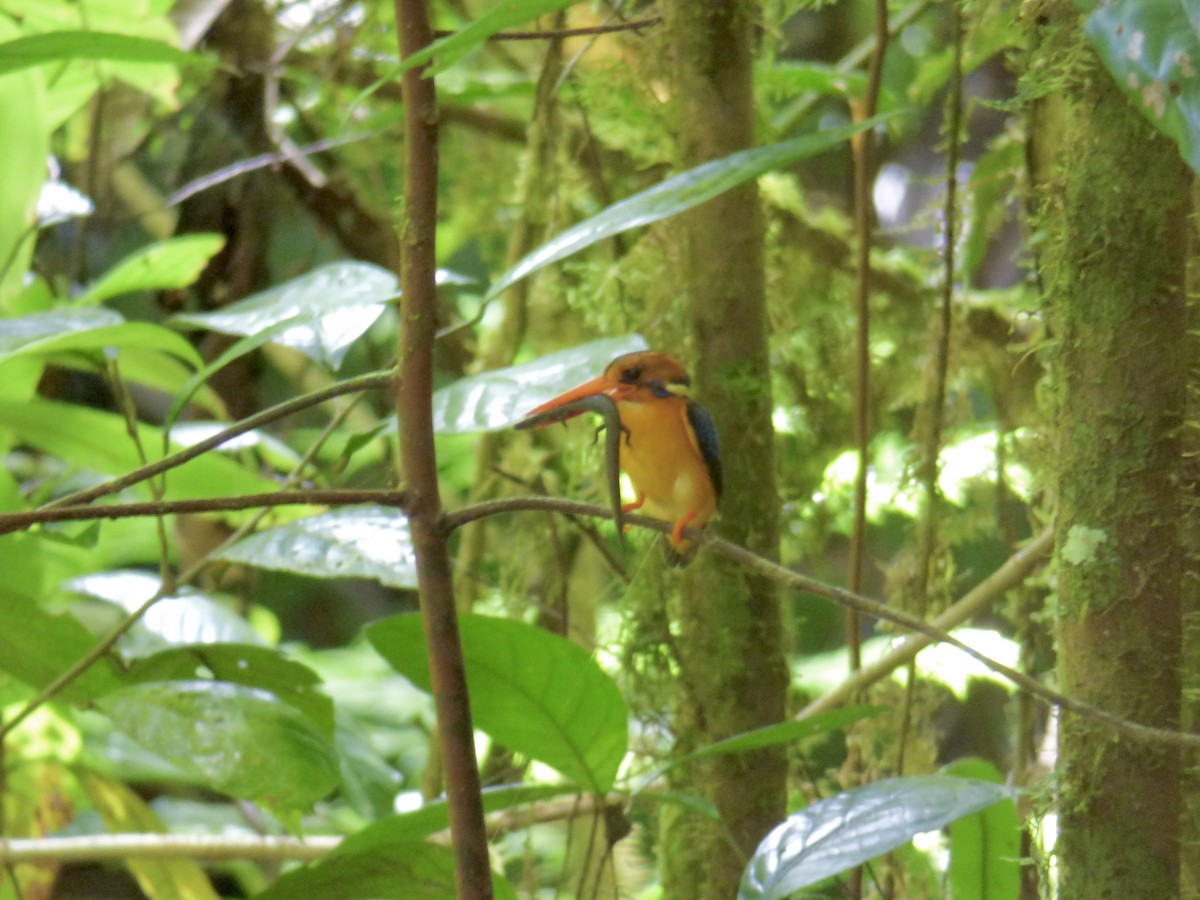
677, 531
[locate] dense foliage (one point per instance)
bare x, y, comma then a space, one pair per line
222, 653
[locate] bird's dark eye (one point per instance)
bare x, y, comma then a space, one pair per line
631, 375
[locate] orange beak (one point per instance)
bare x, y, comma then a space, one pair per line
599, 396
597, 386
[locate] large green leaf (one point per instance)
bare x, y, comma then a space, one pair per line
173, 263
240, 741
329, 308
675, 195
98, 441
83, 330
493, 400
123, 811
533, 691
404, 870
352, 542
1152, 49
847, 829
985, 847
59, 46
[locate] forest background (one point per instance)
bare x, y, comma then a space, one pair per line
278, 299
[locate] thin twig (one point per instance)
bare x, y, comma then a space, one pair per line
846, 598
560, 33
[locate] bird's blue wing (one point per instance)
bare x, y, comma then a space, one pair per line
706, 439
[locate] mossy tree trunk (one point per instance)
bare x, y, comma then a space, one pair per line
1111, 197
733, 676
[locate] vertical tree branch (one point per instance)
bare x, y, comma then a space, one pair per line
413, 391
864, 167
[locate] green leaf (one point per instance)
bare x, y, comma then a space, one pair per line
493, 400
171, 264
23, 153
237, 740
98, 441
36, 646
123, 811
407, 870
985, 847
785, 732
329, 308
533, 691
352, 542
847, 829
1152, 50
675, 195
248, 665
60, 46
83, 330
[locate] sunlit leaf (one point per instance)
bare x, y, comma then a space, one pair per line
353, 542
985, 847
240, 741
405, 870
174, 263
81, 330
1152, 49
185, 618
123, 811
676, 194
847, 829
59, 46
533, 691
98, 441
493, 400
329, 309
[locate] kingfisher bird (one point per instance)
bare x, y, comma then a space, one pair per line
667, 441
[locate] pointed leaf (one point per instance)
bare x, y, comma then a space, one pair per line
493, 400
66, 331
504, 14
784, 732
165, 265
330, 308
533, 691
352, 542
848, 829
675, 195
123, 811
985, 847
58, 46
237, 740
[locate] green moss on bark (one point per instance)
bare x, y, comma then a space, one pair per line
1112, 202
